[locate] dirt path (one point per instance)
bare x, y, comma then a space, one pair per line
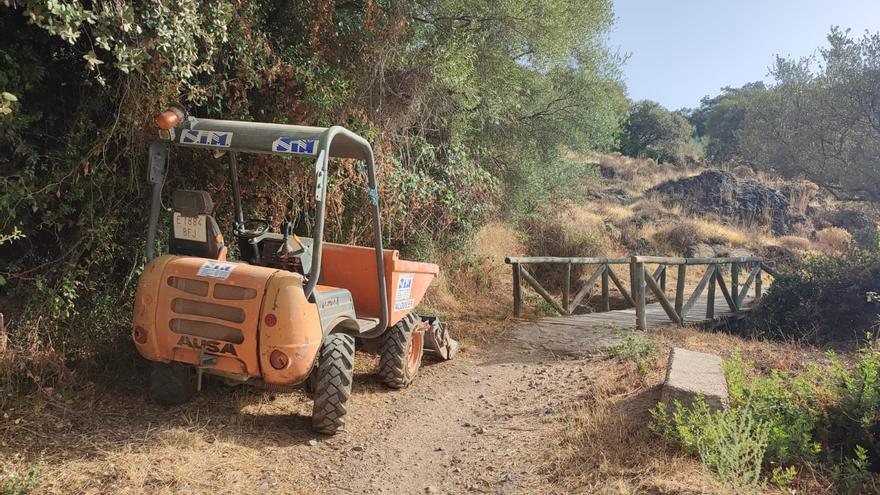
479, 424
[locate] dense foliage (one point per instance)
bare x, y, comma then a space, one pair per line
822, 124
820, 299
822, 421
653, 131
719, 119
467, 104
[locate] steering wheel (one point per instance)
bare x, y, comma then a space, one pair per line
260, 227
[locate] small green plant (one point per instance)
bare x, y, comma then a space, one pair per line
733, 445
16, 482
636, 348
783, 477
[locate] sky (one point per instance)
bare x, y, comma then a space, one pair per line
682, 50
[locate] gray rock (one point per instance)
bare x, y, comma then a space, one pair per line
723, 194
700, 250
690, 374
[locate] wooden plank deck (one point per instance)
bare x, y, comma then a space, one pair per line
585, 333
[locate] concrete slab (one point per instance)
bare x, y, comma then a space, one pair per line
690, 373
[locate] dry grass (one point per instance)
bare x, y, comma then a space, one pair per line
689, 231
794, 243
473, 292
833, 240
606, 444
636, 175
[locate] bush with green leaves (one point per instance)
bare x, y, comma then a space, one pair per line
826, 417
467, 105
819, 299
653, 131
635, 348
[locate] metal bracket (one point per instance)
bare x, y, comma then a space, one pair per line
206, 361
320, 176
158, 162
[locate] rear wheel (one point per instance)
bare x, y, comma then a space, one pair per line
333, 384
400, 352
172, 383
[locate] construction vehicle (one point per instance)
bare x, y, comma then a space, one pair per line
290, 311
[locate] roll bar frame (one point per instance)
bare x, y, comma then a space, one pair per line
276, 139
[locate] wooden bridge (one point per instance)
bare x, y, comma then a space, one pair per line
647, 279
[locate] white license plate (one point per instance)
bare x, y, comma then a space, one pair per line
190, 228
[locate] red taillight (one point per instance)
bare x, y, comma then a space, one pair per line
278, 360
169, 118
270, 320
139, 335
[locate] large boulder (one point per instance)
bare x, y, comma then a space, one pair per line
722, 193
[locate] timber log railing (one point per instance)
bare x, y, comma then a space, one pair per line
642, 280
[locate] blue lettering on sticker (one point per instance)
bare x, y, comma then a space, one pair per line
299, 146
206, 138
374, 196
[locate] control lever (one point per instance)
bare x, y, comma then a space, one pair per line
287, 248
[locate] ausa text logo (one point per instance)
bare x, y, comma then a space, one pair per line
212, 346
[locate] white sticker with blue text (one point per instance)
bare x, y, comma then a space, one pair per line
216, 139
403, 305
403, 295
215, 269
297, 146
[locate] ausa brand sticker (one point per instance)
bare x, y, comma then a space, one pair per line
214, 269
297, 146
216, 139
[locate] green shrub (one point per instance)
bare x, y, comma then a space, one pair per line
14, 481
820, 299
732, 443
636, 348
826, 417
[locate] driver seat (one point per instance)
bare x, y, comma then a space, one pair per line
194, 232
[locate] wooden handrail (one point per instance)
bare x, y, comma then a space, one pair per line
643, 282
523, 260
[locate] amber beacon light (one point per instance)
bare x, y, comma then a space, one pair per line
169, 118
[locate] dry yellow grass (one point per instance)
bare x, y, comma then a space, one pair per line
794, 243
833, 240
473, 291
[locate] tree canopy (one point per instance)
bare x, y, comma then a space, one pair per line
467, 102
653, 131
822, 123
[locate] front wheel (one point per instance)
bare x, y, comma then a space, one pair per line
400, 352
333, 385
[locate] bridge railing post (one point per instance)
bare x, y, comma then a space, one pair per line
606, 295
517, 290
734, 284
637, 270
758, 287
566, 289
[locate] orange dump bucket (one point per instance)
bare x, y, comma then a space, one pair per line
354, 268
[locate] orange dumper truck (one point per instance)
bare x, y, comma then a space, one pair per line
291, 309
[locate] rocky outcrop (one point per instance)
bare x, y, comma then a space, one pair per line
704, 250
723, 194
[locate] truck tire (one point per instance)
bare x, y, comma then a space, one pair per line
333, 386
172, 383
400, 352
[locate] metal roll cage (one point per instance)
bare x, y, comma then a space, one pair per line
281, 140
